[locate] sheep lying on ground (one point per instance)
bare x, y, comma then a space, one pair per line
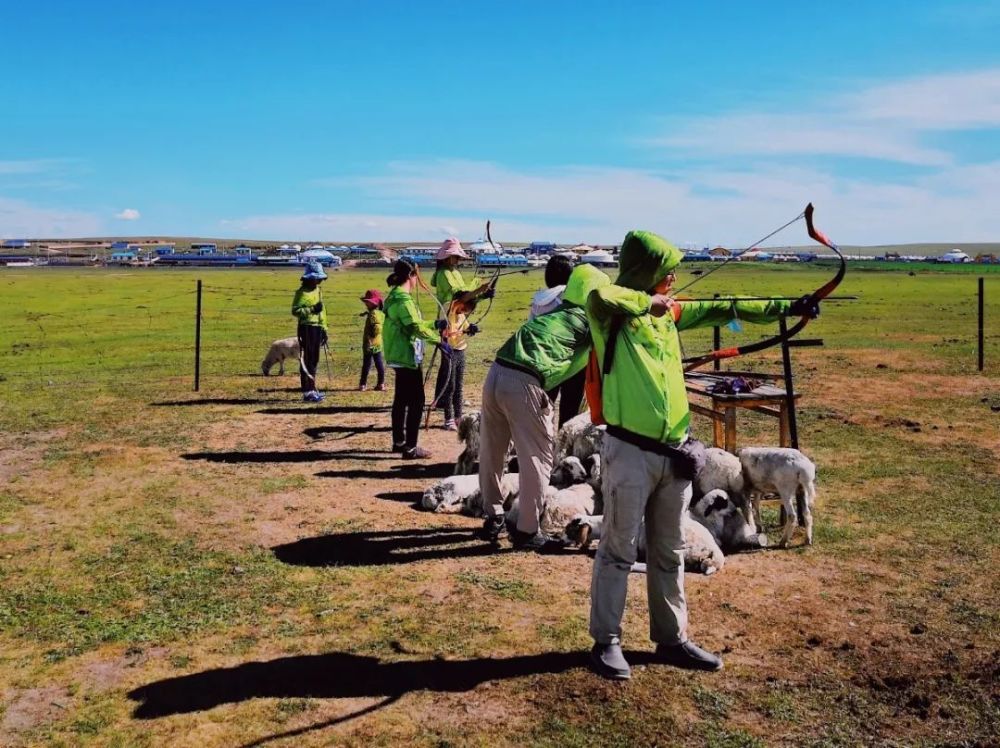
723, 519
723, 471
562, 505
701, 552
459, 494
785, 472
278, 352
579, 437
568, 472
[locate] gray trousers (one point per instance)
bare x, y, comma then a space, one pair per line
638, 484
515, 407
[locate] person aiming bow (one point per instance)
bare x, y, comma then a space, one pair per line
648, 458
451, 290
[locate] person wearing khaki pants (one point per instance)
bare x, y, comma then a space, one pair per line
648, 464
542, 354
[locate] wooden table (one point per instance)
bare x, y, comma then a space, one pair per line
766, 398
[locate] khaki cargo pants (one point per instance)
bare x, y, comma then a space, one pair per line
640, 485
515, 407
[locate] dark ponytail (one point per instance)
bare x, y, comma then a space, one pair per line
403, 269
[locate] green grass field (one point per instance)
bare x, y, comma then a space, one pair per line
232, 567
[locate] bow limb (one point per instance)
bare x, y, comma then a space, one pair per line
816, 296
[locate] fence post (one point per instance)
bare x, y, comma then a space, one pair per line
982, 295
786, 360
716, 343
197, 340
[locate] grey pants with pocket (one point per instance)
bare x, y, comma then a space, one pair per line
640, 485
515, 407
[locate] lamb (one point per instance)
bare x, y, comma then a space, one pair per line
459, 494
701, 552
562, 505
784, 472
468, 434
723, 519
723, 471
278, 352
579, 437
568, 472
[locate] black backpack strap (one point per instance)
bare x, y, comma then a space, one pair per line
609, 349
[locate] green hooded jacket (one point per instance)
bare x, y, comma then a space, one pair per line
403, 326
302, 305
372, 342
555, 346
449, 281
644, 391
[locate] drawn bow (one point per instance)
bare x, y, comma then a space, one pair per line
816, 296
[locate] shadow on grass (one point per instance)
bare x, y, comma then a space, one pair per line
384, 547
317, 432
218, 401
341, 676
407, 497
324, 410
409, 471
304, 455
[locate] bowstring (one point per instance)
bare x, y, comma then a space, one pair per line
736, 256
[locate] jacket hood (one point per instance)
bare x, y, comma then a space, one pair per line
645, 260
583, 280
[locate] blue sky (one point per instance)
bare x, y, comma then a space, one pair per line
575, 121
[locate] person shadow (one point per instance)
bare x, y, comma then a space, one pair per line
384, 547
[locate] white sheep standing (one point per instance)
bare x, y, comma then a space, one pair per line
459, 494
701, 552
785, 472
723, 519
468, 434
278, 352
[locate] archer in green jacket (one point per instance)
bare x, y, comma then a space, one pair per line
307, 308
403, 335
645, 405
542, 354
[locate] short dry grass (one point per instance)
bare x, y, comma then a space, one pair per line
235, 568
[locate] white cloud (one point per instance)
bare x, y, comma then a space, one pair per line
885, 121
19, 219
129, 214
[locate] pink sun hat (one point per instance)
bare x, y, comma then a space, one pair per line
451, 247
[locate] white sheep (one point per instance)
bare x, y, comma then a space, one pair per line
459, 494
723, 471
785, 472
560, 506
468, 434
701, 552
278, 352
579, 437
723, 519
568, 472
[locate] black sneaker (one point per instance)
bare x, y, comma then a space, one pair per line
493, 528
608, 661
524, 541
416, 453
688, 656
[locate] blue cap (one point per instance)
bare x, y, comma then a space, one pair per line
314, 271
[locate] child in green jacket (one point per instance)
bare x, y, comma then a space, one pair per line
371, 343
307, 308
405, 333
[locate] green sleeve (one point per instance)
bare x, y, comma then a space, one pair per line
716, 313
300, 308
412, 324
611, 300
376, 325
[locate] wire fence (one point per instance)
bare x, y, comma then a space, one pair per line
137, 334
